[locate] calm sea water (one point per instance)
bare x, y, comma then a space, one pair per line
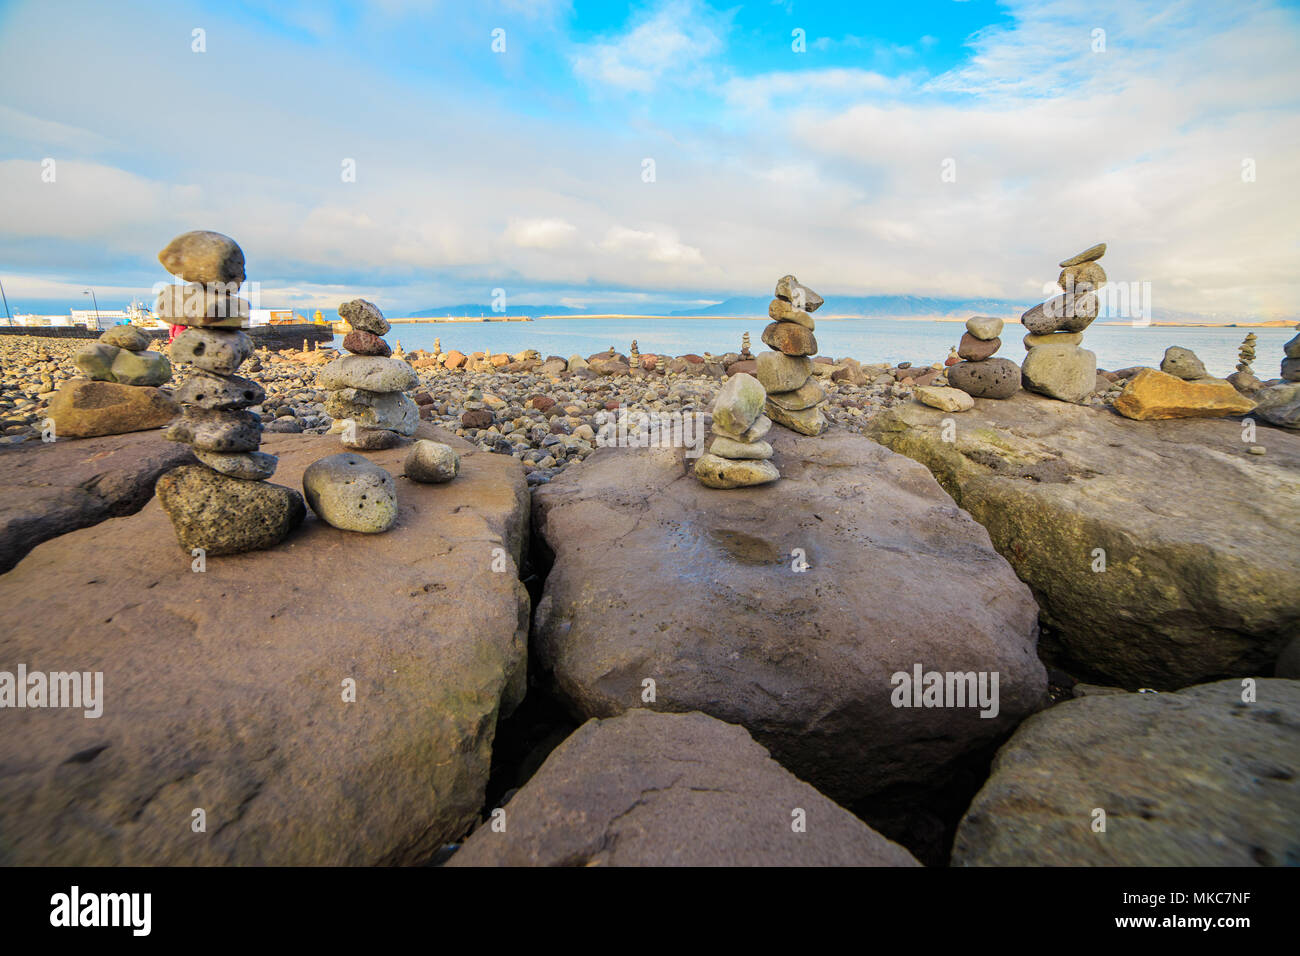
867, 340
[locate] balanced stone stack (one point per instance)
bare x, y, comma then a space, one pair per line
745, 353
122, 355
1244, 379
1279, 402
977, 372
224, 505
366, 388
634, 356
738, 457
1056, 366
793, 398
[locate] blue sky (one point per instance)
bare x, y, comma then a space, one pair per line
523, 169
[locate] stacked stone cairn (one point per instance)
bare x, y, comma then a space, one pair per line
1279, 401
1056, 366
745, 353
977, 372
793, 398
1244, 380
122, 355
738, 457
367, 400
225, 504
634, 356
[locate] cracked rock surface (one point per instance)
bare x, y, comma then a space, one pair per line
652, 789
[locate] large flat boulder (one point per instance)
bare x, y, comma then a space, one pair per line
224, 690
658, 578
50, 488
1194, 778
1201, 540
652, 789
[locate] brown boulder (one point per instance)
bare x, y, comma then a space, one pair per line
619, 792
85, 409
225, 690
366, 343
454, 359
790, 338
894, 575
1150, 394
50, 489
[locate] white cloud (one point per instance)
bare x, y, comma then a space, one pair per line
668, 42
541, 233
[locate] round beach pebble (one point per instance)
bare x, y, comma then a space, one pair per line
370, 439
214, 350
991, 378
126, 337
431, 462
974, 349
203, 256
736, 450
364, 316
984, 327
715, 472
351, 493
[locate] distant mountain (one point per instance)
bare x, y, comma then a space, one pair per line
869, 305
486, 310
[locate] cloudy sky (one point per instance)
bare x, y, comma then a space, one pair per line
657, 155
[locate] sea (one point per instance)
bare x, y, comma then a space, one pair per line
869, 340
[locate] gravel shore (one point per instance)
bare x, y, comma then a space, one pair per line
546, 420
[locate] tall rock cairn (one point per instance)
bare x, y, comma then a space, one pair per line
223, 505
634, 356
1056, 366
745, 353
367, 400
1244, 379
977, 372
793, 398
738, 457
1278, 403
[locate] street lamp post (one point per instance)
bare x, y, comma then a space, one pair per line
91, 293
9, 319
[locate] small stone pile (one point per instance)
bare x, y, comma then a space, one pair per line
977, 372
634, 356
1279, 402
793, 398
1056, 366
745, 353
121, 355
738, 457
367, 400
1244, 380
224, 505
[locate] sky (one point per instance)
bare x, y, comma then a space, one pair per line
654, 156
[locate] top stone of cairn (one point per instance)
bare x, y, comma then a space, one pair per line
204, 257
364, 316
791, 290
1088, 255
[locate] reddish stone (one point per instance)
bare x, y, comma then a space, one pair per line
976, 350
746, 366
541, 402
454, 359
476, 418
366, 343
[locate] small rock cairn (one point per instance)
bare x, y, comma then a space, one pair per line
745, 353
793, 398
1279, 402
738, 457
224, 505
1244, 379
976, 372
1056, 366
121, 355
367, 400
634, 356
1291, 362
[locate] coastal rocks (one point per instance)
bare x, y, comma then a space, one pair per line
1155, 395
121, 356
204, 257
83, 409
351, 494
893, 573
617, 792
980, 375
793, 399
1195, 778
1160, 554
1279, 404
733, 461
223, 505
224, 689
992, 378
1182, 363
367, 386
431, 462
225, 515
